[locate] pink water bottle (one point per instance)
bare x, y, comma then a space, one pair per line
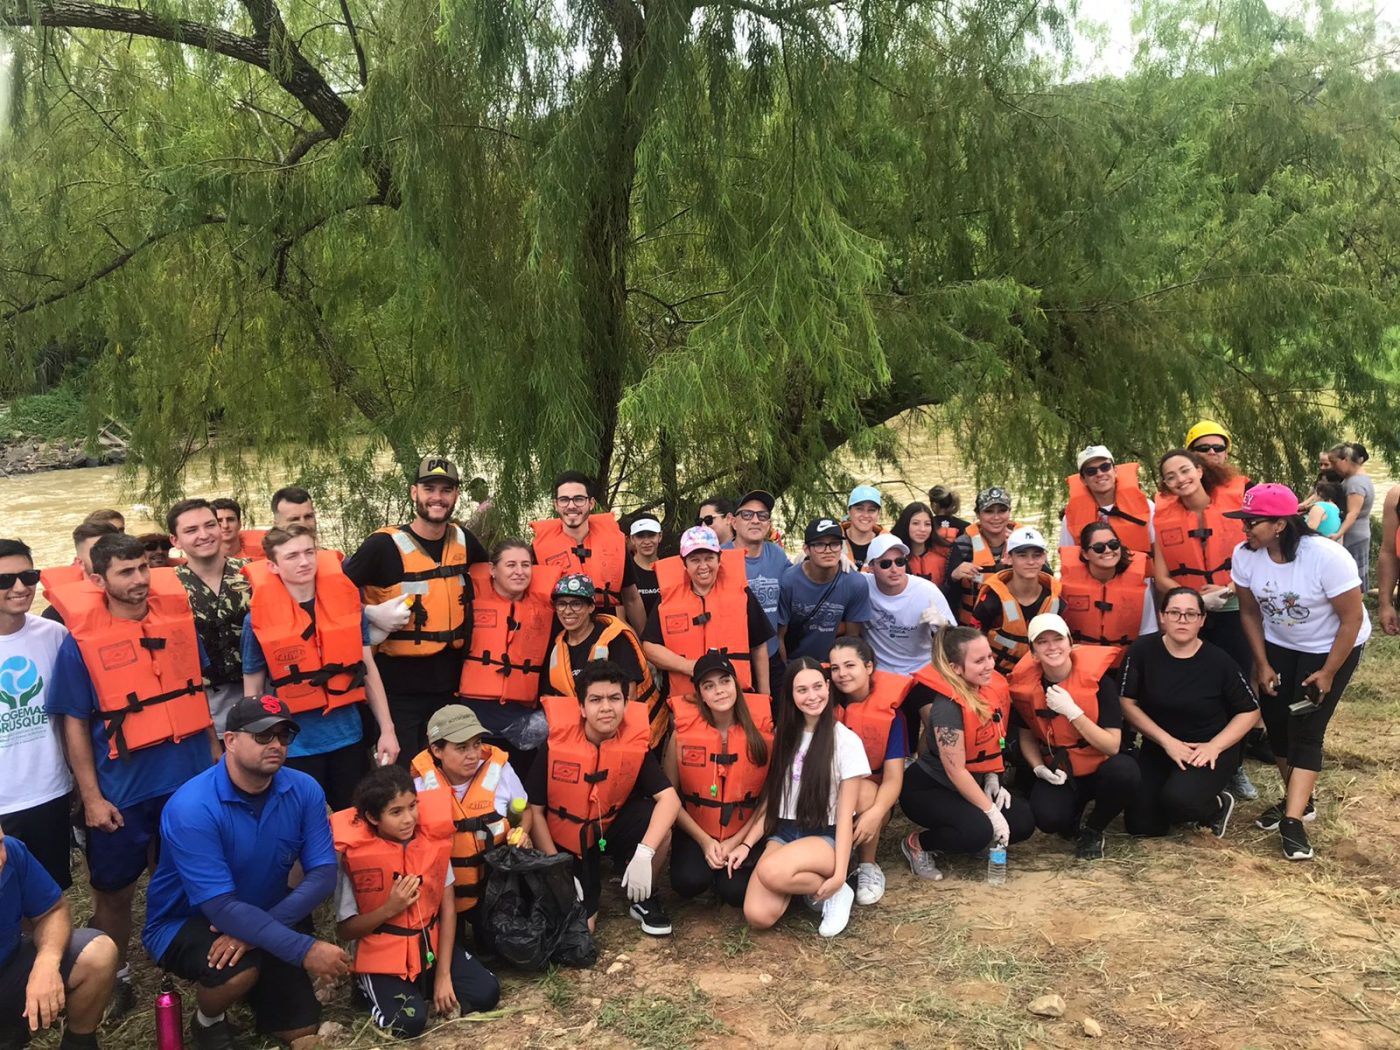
170, 1017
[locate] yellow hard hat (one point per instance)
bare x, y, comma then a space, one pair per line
1205, 428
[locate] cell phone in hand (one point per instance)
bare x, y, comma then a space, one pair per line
1310, 701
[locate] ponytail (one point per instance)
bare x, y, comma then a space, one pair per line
948, 649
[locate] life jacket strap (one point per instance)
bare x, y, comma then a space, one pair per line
321, 677
405, 931
113, 720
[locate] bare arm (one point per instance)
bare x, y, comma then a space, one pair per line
387, 748
1388, 564
97, 811
1030, 748
891, 782
44, 994
1252, 623
668, 661
539, 833
633, 611
1354, 502
1160, 576
1351, 612
671, 766
253, 684
1105, 741
663, 817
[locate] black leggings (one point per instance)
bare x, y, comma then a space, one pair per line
1226, 630
1110, 787
404, 1006
1168, 795
1298, 738
692, 876
954, 824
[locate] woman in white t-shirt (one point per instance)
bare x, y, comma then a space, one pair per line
1300, 603
808, 812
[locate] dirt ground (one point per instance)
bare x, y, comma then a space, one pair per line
1181, 942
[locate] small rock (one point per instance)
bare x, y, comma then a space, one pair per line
765, 978
531, 1019
595, 1002
1047, 1006
1092, 1028
616, 967
622, 957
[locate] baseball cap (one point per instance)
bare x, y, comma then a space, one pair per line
253, 714
865, 494
1092, 452
1205, 428
709, 663
454, 723
882, 545
1023, 538
992, 496
430, 467
644, 525
1047, 622
762, 496
698, 538
574, 585
1267, 501
822, 529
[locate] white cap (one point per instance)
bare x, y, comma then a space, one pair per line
1047, 622
644, 525
1093, 452
882, 545
1024, 537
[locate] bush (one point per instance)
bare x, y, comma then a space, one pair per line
57, 414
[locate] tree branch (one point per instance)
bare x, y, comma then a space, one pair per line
355, 40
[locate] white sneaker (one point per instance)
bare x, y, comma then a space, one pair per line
870, 884
836, 911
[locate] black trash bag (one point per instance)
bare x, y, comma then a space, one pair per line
534, 918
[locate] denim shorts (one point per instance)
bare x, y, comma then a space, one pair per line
788, 831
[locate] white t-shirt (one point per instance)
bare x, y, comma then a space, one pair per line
32, 767
848, 762
1295, 597
902, 644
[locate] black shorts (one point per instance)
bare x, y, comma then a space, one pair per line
622, 837
14, 974
47, 830
283, 1000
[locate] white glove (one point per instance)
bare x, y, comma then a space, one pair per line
386, 618
1001, 831
1057, 698
636, 880
1217, 599
1051, 776
933, 616
996, 794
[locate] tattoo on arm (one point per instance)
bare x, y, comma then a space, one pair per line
948, 738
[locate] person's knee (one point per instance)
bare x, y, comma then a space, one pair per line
480, 994
409, 1017
97, 961
1185, 801
732, 891
1120, 774
759, 916
689, 881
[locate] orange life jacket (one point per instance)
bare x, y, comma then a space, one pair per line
848, 554
476, 825
587, 783
1102, 613
1059, 740
1198, 545
602, 556
986, 563
1010, 640
311, 666
59, 575
1128, 517
871, 718
146, 673
692, 626
398, 946
440, 618
932, 565
983, 739
250, 544
719, 783
561, 671
509, 640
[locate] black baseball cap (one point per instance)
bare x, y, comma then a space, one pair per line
709, 663
822, 528
253, 714
438, 467
766, 498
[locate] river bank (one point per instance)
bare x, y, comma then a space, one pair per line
34, 456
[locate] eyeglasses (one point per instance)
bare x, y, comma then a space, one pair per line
755, 515
1209, 448
28, 577
1104, 547
1106, 467
1182, 615
824, 547
892, 563
572, 605
572, 501
284, 735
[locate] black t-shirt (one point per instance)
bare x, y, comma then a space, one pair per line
52, 614
858, 552
1192, 698
620, 652
647, 585
651, 781
1110, 709
760, 630
948, 522
378, 563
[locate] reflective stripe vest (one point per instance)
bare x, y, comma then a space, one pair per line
312, 665
1102, 613
983, 738
601, 556
146, 673
561, 671
1010, 640
719, 783
250, 544
691, 626
399, 946
439, 617
476, 825
986, 563
871, 718
1197, 545
588, 783
509, 640
1128, 517
1060, 743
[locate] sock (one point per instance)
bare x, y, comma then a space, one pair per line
204, 1020
124, 974
73, 1041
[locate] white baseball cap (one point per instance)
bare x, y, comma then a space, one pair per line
1047, 622
1023, 537
1093, 452
882, 545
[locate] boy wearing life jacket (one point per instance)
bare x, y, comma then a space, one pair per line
80, 568
306, 641
596, 789
238, 542
1109, 492
133, 639
978, 552
394, 900
1011, 598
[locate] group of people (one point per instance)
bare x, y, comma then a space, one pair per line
264, 723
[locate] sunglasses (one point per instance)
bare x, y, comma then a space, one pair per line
754, 515
1105, 546
28, 577
1249, 523
283, 734
1105, 467
1209, 448
892, 563
154, 548
708, 519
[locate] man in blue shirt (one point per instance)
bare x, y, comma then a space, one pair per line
53, 969
764, 564
218, 910
816, 600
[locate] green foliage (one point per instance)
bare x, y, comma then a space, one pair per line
58, 414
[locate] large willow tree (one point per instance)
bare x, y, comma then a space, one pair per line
692, 246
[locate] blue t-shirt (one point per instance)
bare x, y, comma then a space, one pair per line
897, 746
27, 891
212, 843
320, 731
765, 575
811, 630
150, 772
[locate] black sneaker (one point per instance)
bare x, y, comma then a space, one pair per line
1090, 844
123, 1001
216, 1036
1256, 746
652, 916
1219, 823
1268, 820
1295, 839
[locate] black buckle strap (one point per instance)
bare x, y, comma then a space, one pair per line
112, 720
726, 809
321, 677
437, 572
506, 664
474, 824
1116, 513
405, 931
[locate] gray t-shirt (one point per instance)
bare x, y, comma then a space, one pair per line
1361, 528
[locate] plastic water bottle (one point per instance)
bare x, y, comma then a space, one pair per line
170, 1017
996, 864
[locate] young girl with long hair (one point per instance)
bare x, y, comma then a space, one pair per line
928, 544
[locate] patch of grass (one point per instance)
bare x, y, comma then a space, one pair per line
658, 1021
737, 942
557, 990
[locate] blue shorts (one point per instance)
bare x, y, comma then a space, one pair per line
788, 831
116, 859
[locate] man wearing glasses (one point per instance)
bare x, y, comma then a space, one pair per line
764, 562
905, 611
218, 910
816, 600
1107, 492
